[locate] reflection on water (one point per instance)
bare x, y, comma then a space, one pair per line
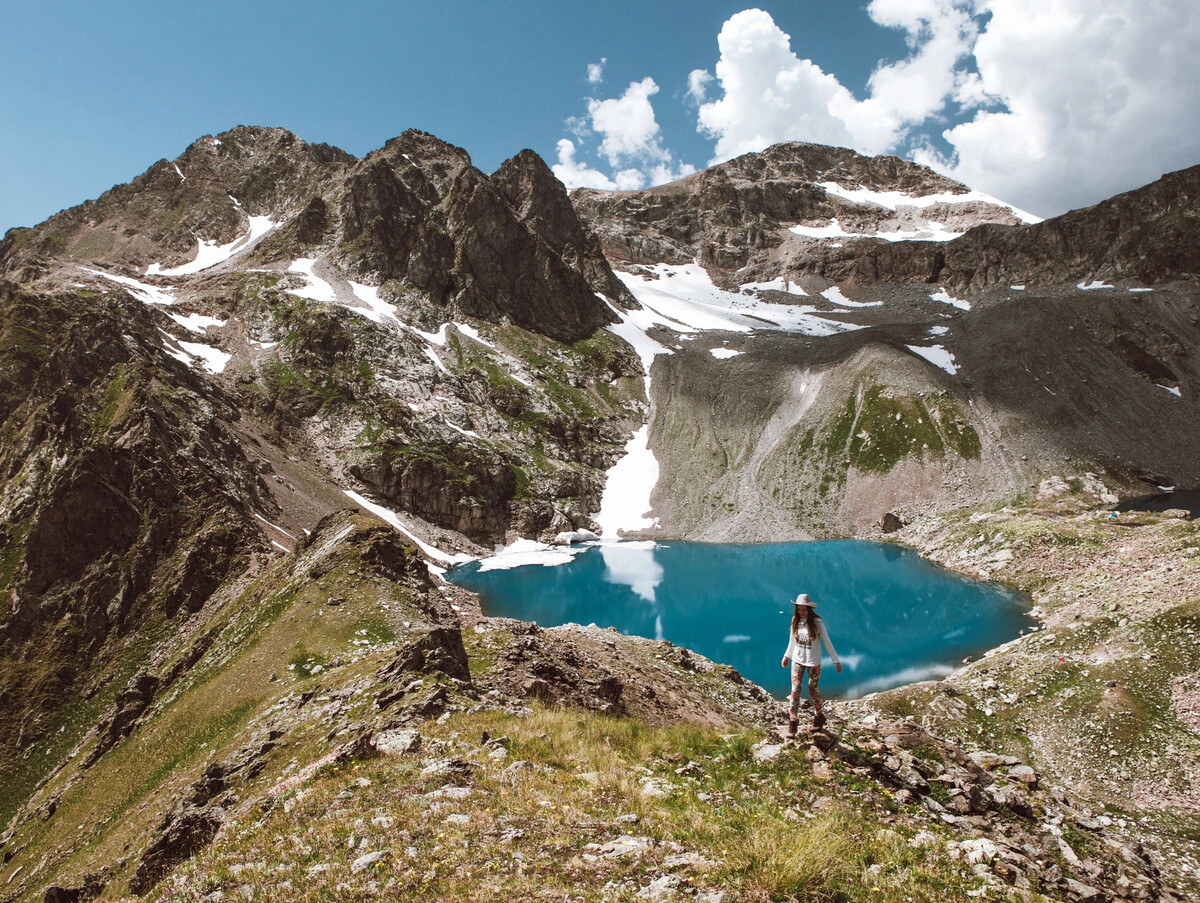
893, 617
632, 564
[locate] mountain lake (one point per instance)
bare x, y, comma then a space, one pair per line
893, 617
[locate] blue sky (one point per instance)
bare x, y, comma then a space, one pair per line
92, 94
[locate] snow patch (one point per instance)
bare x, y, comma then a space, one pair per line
437, 338
147, 294
627, 487
458, 429
1140, 290
684, 299
377, 309
1174, 391
930, 231
214, 360
833, 230
273, 526
893, 200
1017, 288
936, 355
778, 284
938, 330
723, 354
834, 295
527, 552
437, 361
472, 333
632, 328
209, 253
1093, 285
196, 322
389, 516
946, 298
179, 172
317, 288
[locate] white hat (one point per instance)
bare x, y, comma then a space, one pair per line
805, 601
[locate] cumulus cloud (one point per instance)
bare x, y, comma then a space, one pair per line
1052, 104
769, 94
1092, 97
575, 173
628, 124
630, 141
596, 71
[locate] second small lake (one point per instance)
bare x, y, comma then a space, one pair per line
894, 618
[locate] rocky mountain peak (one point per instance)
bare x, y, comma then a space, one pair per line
765, 215
542, 202
415, 218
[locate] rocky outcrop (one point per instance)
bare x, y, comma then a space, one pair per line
125, 496
438, 652
121, 720
182, 833
501, 248
736, 215
160, 215
454, 486
542, 203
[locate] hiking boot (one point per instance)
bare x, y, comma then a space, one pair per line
819, 720
793, 724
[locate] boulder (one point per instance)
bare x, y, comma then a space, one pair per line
394, 743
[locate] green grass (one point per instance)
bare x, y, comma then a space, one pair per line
527, 837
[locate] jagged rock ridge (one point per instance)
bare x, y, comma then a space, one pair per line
413, 217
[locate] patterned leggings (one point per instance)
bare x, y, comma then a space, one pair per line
814, 682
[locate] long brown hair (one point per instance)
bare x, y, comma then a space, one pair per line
811, 618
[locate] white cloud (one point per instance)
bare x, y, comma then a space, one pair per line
1096, 97
596, 71
698, 80
576, 174
628, 125
630, 140
1067, 101
771, 95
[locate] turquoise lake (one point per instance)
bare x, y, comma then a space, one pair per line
894, 618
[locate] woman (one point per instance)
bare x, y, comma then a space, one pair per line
804, 650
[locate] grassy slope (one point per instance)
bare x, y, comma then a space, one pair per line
1119, 598
761, 830
269, 640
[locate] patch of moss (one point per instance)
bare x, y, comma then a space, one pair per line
304, 664
890, 428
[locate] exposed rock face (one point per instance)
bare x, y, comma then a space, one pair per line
125, 492
440, 651
180, 835
737, 219
452, 486
736, 215
415, 215
161, 213
118, 723
543, 205
500, 248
